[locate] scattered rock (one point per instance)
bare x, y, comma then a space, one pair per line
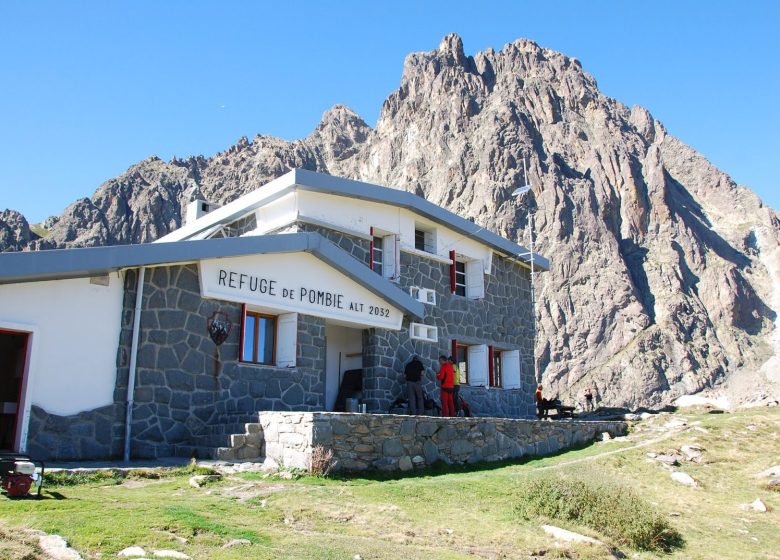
684, 478
774, 484
670, 460
569, 536
418, 460
285, 475
131, 552
236, 542
692, 452
674, 514
605, 436
772, 471
200, 480
759, 506
56, 548
652, 455
405, 463
170, 554
357, 557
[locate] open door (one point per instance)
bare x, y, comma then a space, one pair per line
343, 353
13, 355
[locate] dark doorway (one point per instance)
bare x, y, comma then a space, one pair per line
13, 353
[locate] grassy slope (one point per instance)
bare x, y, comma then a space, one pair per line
456, 514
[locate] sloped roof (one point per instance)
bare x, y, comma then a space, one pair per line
303, 179
34, 266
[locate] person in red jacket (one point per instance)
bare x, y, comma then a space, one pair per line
446, 376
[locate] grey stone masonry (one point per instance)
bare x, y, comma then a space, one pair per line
392, 442
189, 392
502, 319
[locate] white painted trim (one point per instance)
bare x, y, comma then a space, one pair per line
425, 254
23, 425
334, 227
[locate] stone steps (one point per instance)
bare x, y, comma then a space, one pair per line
231, 442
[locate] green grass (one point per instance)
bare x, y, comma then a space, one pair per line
448, 512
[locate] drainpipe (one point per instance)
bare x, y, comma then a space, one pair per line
139, 295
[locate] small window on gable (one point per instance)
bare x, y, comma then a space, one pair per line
424, 240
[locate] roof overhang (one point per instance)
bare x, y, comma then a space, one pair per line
57, 264
302, 179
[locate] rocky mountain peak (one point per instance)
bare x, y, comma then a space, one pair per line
664, 278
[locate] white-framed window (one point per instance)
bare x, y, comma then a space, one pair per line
460, 278
269, 339
424, 239
423, 295
467, 277
472, 362
419, 331
377, 255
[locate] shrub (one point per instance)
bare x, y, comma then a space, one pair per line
612, 510
321, 462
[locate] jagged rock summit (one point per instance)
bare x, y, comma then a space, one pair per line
665, 273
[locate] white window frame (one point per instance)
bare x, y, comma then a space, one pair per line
423, 295
421, 331
429, 239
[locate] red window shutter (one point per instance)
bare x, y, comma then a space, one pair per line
491, 365
452, 271
241, 340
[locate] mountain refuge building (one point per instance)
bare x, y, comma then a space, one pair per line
309, 291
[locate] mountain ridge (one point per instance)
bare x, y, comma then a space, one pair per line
658, 286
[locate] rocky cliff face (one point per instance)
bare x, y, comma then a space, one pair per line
663, 269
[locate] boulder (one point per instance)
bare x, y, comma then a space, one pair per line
131, 552
684, 478
569, 536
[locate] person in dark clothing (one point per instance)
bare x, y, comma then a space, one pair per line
413, 373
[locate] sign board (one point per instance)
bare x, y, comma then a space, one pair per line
296, 282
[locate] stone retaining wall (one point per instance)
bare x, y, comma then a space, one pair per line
392, 442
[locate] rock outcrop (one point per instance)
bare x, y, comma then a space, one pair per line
664, 271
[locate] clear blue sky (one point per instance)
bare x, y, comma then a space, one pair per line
89, 88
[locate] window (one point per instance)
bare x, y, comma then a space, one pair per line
495, 377
467, 277
419, 331
423, 295
419, 240
424, 240
460, 278
472, 361
259, 342
510, 369
377, 252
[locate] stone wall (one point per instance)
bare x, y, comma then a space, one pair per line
503, 319
189, 391
392, 442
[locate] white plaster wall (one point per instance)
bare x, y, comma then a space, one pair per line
76, 328
361, 215
292, 272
